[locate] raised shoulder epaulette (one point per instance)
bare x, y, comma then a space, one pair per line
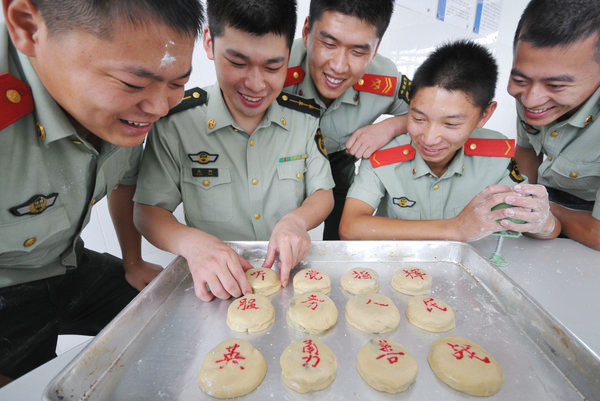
378, 84
294, 76
490, 147
392, 155
299, 103
191, 98
16, 100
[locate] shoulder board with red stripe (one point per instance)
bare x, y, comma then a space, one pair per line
378, 84
16, 100
490, 147
392, 155
294, 76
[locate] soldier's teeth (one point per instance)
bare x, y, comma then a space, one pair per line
333, 80
136, 124
252, 99
538, 110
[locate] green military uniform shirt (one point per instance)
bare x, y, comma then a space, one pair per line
409, 190
233, 185
354, 109
572, 149
49, 180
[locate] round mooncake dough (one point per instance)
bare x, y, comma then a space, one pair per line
231, 369
312, 312
308, 365
430, 314
386, 365
311, 280
372, 313
412, 281
251, 313
263, 281
361, 280
465, 366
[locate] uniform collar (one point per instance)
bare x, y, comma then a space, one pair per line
420, 167
218, 115
589, 108
48, 113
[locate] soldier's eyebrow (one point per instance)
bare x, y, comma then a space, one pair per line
416, 110
556, 78
362, 46
143, 73
236, 54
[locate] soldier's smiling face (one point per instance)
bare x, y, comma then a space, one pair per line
340, 48
551, 82
251, 71
440, 122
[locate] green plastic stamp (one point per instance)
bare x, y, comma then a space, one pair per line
496, 258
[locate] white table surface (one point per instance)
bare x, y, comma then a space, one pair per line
562, 275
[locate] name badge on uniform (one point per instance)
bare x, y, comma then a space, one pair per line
35, 205
205, 172
404, 202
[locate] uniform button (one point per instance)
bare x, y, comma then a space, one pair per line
405, 152
436, 187
550, 158
554, 134
356, 97
196, 95
296, 75
251, 142
206, 183
39, 128
589, 119
361, 82
301, 93
13, 96
254, 181
284, 98
257, 216
299, 175
283, 121
94, 201
77, 142
573, 175
473, 146
28, 242
414, 171
211, 124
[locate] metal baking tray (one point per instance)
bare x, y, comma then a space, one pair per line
154, 348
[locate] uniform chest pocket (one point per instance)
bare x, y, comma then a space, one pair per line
207, 195
291, 179
27, 241
579, 176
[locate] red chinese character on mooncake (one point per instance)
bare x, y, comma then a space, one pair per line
430, 304
414, 273
460, 350
232, 356
312, 352
247, 303
313, 275
388, 351
313, 301
258, 274
362, 275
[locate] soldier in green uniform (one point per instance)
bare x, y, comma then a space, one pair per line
247, 162
555, 80
336, 63
442, 181
78, 96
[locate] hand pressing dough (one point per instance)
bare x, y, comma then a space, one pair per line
312, 280
430, 314
308, 365
372, 313
312, 312
263, 281
386, 365
251, 313
465, 366
361, 280
231, 369
412, 281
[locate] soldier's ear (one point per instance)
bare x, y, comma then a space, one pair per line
208, 43
305, 32
487, 114
23, 23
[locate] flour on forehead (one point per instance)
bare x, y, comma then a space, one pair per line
167, 58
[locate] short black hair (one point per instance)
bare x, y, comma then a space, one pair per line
258, 17
549, 23
462, 65
375, 12
98, 16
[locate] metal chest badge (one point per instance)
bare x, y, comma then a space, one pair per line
203, 157
35, 205
404, 202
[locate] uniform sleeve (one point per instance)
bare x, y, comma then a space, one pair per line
510, 175
367, 186
318, 171
399, 105
159, 178
130, 176
596, 211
